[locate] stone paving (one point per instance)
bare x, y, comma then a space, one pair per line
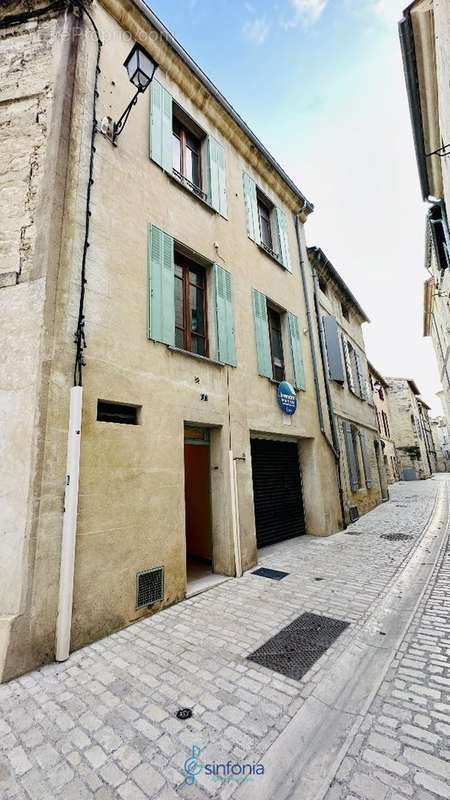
403, 748
103, 725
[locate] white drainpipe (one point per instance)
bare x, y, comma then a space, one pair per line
64, 621
235, 516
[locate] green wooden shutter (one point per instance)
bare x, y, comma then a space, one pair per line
161, 126
251, 208
217, 176
296, 350
263, 354
365, 458
282, 236
226, 346
161, 271
351, 456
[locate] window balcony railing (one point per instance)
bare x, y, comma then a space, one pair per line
271, 252
189, 185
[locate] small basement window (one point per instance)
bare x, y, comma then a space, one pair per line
120, 413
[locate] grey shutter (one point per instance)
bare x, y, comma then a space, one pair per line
161, 272
217, 176
335, 365
226, 348
365, 458
296, 351
160, 125
263, 354
351, 456
251, 208
283, 242
348, 365
361, 377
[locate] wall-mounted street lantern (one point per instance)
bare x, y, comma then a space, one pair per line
141, 68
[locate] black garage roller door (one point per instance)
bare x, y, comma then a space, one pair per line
277, 491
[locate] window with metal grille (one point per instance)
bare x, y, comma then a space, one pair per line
120, 413
149, 586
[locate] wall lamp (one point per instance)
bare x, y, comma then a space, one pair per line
141, 68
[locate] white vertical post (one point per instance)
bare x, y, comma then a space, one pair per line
64, 621
235, 516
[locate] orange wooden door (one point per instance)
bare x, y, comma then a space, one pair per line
197, 500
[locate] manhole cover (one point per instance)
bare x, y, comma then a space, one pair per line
396, 537
273, 574
295, 649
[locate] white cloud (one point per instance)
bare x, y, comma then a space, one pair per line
389, 11
256, 30
307, 11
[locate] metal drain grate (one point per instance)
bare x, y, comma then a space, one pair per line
274, 574
353, 513
295, 649
396, 537
149, 586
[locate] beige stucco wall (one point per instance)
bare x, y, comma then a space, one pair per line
131, 502
348, 407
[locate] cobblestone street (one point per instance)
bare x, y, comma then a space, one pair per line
103, 725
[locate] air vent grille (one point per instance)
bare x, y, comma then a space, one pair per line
354, 513
149, 586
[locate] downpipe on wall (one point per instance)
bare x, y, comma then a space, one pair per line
334, 445
66, 576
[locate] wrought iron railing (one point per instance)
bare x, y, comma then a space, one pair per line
189, 185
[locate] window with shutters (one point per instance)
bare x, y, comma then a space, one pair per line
265, 211
187, 156
190, 306
267, 225
185, 151
276, 343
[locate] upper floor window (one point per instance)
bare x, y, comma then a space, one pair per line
178, 288
180, 146
276, 343
273, 329
266, 223
354, 370
190, 306
265, 228
187, 154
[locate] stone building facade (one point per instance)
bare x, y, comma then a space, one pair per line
425, 40
178, 259
441, 438
380, 398
408, 429
340, 317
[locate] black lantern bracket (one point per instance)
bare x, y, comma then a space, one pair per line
141, 68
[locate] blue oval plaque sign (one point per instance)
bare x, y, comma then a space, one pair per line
287, 399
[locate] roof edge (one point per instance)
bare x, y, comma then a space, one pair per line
307, 206
318, 253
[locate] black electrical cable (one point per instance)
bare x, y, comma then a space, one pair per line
17, 19
80, 338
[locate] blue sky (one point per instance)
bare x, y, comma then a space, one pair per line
321, 84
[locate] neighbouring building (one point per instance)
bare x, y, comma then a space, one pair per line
441, 439
425, 424
154, 301
407, 427
425, 39
340, 317
380, 398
